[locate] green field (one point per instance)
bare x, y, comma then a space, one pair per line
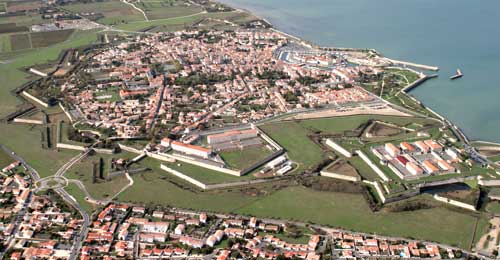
12, 28
79, 196
242, 159
113, 11
178, 23
345, 123
304, 151
493, 207
156, 188
114, 92
44, 39
23, 20
201, 174
351, 211
25, 141
294, 140
101, 189
20, 41
344, 210
13, 77
5, 159
495, 158
5, 43
167, 9
363, 169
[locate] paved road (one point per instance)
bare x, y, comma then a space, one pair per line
65, 195
77, 243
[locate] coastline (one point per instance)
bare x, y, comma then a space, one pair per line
410, 64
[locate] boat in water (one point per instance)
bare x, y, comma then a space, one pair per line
458, 75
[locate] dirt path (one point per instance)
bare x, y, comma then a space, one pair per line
489, 245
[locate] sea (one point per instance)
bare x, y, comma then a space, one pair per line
450, 34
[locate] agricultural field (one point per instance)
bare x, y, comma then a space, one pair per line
12, 28
179, 23
165, 9
44, 39
26, 140
38, 39
242, 159
5, 43
20, 41
19, 6
14, 77
24, 20
112, 11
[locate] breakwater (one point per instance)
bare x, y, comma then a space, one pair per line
411, 64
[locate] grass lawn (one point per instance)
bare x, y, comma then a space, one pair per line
101, 189
303, 239
201, 174
156, 188
5, 159
294, 140
493, 207
345, 123
495, 158
63, 130
352, 212
242, 159
363, 169
111, 94
304, 151
79, 196
344, 210
26, 142
483, 226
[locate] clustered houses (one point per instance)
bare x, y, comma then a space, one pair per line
358, 246
33, 226
122, 231
413, 160
184, 79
